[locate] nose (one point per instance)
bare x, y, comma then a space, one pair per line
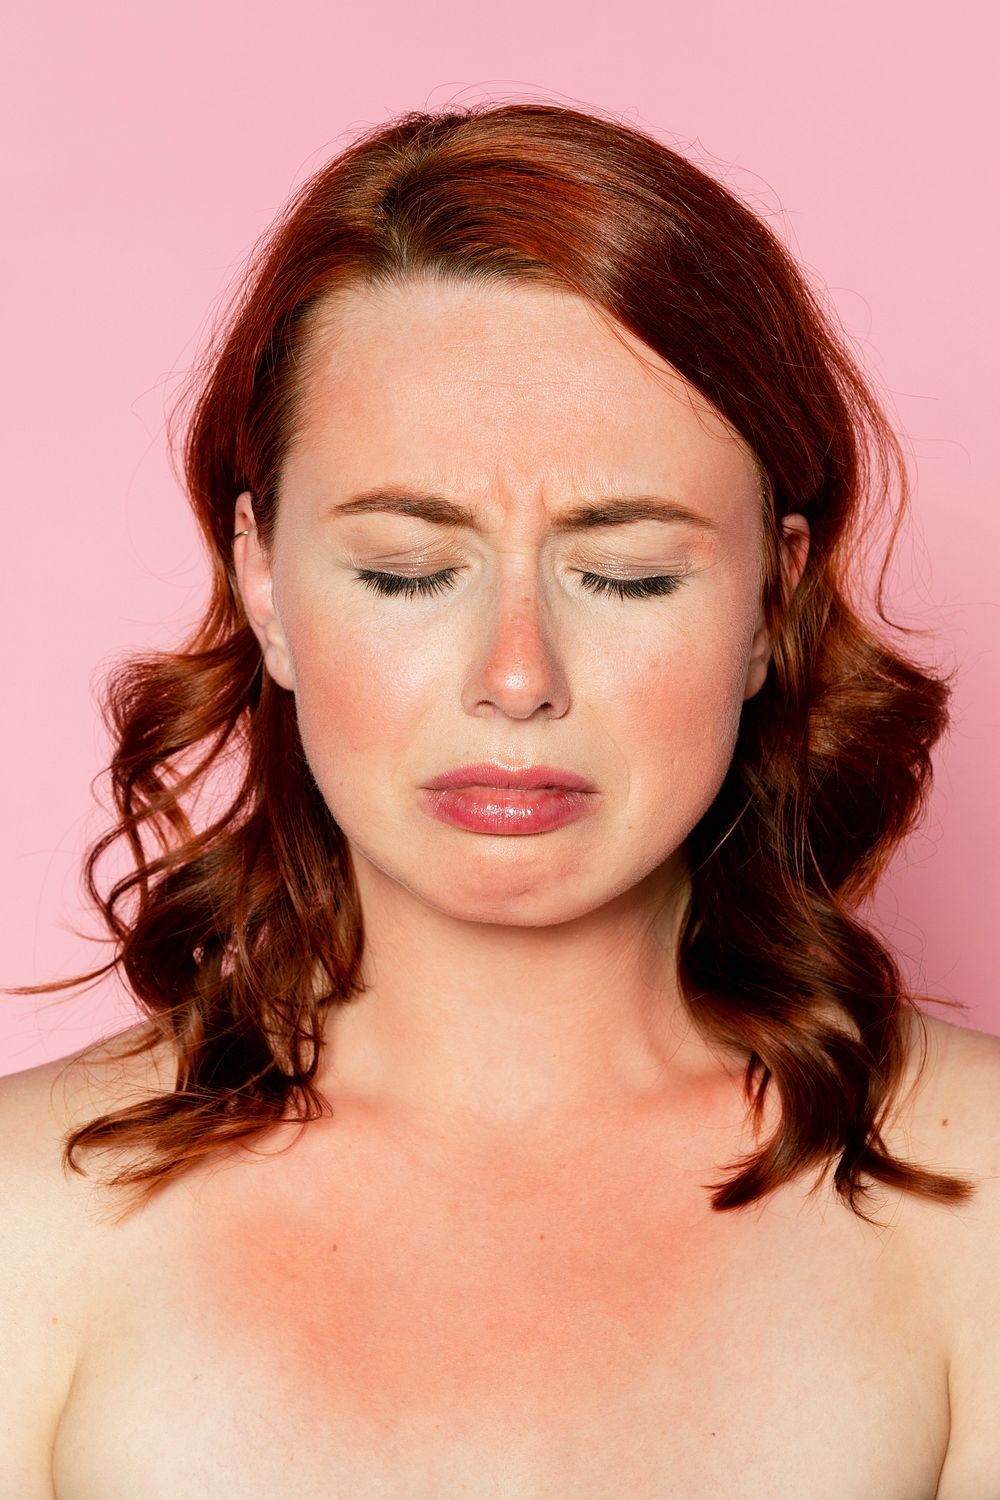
517, 663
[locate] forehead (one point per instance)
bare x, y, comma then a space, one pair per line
482, 388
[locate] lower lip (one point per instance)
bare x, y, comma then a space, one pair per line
505, 810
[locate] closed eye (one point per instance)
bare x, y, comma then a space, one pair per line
632, 588
399, 583
597, 583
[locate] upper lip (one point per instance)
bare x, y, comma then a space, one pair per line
529, 778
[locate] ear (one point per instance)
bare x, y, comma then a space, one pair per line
253, 573
794, 551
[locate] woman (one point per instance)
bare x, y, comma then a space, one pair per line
523, 1107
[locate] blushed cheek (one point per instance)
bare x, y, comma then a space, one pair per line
358, 700
686, 706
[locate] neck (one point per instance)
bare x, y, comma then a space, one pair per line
496, 1027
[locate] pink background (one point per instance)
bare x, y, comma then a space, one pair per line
148, 147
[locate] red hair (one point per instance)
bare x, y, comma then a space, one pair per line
218, 931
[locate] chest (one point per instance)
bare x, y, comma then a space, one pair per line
413, 1335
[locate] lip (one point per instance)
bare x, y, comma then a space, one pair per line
528, 779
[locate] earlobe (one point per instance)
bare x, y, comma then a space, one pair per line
760, 655
256, 586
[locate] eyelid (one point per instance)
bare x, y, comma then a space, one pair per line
403, 560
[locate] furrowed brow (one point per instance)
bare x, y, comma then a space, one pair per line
618, 510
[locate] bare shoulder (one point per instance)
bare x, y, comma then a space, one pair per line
50, 1240
952, 1123
40, 1105
950, 1105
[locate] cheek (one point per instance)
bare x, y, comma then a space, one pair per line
359, 697
684, 704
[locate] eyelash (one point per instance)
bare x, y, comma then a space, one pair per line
598, 583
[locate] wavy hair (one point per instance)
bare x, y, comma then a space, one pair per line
223, 930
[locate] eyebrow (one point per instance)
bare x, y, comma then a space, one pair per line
617, 510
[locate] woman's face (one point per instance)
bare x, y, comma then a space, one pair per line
519, 405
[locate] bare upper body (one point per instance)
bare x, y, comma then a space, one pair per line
378, 1313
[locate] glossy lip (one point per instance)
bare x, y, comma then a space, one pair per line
531, 778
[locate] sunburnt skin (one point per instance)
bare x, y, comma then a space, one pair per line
496, 1270
530, 1295
377, 1311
